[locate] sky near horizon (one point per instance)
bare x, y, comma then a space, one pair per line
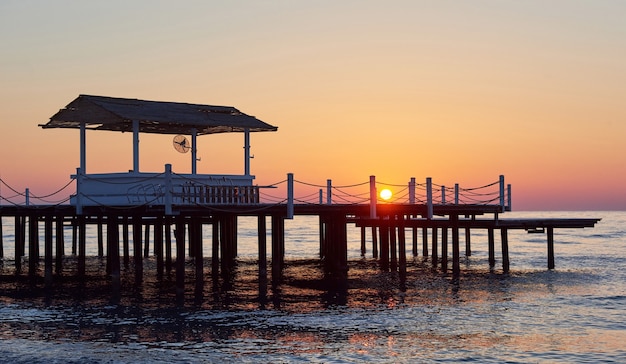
460, 91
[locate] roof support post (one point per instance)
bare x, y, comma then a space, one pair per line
136, 146
83, 147
429, 197
412, 190
246, 148
194, 151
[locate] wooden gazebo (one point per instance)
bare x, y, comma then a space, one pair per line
179, 119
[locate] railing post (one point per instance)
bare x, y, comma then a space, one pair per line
456, 193
168, 189
508, 195
502, 192
290, 195
429, 197
79, 193
443, 195
412, 190
373, 197
329, 192
27, 195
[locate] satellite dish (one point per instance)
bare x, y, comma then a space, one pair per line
181, 144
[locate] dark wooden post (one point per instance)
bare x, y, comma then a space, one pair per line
33, 242
60, 243
393, 245
262, 231
424, 242
198, 257
215, 248
179, 234
158, 245
468, 244
277, 249
168, 244
125, 242
146, 240
414, 231
374, 242
74, 235
492, 254
402, 254
1, 239
48, 251
434, 247
100, 237
384, 244
550, 248
322, 231
505, 250
363, 248
137, 256
18, 244
82, 241
444, 249
456, 264
113, 252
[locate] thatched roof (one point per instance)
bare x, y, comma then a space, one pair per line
117, 114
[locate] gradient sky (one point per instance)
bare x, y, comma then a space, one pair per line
460, 91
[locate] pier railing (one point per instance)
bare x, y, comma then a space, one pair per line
170, 189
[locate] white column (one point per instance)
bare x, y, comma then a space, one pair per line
83, 147
168, 189
246, 149
136, 146
194, 151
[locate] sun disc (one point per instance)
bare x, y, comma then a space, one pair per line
386, 194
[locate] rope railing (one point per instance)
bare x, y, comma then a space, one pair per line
168, 184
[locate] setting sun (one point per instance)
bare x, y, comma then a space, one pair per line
386, 194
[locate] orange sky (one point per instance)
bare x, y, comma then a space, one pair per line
454, 90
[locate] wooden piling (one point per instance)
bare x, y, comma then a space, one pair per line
262, 232
18, 244
33, 242
393, 246
48, 250
113, 251
550, 233
434, 256
168, 244
444, 249
468, 244
125, 242
179, 234
374, 243
363, 248
137, 255
505, 250
100, 237
414, 232
491, 243
384, 244
158, 246
402, 255
60, 243
456, 264
215, 248
424, 242
82, 241
146, 240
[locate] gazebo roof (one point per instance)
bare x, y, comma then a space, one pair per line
118, 114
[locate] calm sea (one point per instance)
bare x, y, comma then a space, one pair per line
574, 313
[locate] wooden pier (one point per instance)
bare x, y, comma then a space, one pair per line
387, 235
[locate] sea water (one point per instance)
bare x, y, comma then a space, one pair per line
574, 313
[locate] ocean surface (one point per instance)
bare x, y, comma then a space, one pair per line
575, 313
